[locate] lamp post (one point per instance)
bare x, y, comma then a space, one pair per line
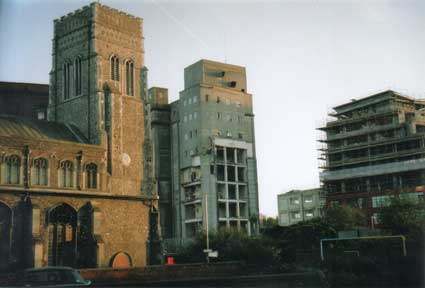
206, 227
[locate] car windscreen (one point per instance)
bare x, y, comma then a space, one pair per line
51, 277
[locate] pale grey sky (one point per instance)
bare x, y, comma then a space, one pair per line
302, 58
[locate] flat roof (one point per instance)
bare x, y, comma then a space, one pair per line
21, 86
206, 61
355, 101
296, 191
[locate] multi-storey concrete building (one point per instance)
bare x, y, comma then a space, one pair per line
373, 149
299, 205
217, 183
213, 176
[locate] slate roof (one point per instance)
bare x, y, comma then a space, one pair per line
12, 126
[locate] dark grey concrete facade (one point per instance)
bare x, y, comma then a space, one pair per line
212, 174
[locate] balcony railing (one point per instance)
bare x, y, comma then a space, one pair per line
192, 197
393, 167
382, 156
364, 130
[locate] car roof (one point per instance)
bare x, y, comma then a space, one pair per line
49, 269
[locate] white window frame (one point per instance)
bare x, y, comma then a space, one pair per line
309, 214
296, 215
308, 199
294, 201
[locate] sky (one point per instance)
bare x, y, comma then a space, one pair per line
302, 58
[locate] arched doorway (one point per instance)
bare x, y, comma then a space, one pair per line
5, 236
121, 260
62, 223
86, 241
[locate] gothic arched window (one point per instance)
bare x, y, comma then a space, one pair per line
129, 77
66, 80
115, 68
91, 176
78, 81
39, 173
67, 174
12, 170
62, 232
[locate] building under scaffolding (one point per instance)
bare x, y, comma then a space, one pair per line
373, 150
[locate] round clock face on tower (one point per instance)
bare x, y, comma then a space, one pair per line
125, 159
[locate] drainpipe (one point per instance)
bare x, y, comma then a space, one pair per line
26, 153
79, 160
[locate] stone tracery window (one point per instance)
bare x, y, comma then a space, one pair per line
67, 174
91, 176
78, 82
66, 80
11, 170
62, 232
115, 68
129, 69
71, 240
39, 173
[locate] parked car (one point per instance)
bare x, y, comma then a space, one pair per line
54, 277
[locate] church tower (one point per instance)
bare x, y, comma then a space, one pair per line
96, 88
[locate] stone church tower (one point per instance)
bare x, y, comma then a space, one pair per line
77, 190
96, 88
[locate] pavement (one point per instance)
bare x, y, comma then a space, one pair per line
293, 280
